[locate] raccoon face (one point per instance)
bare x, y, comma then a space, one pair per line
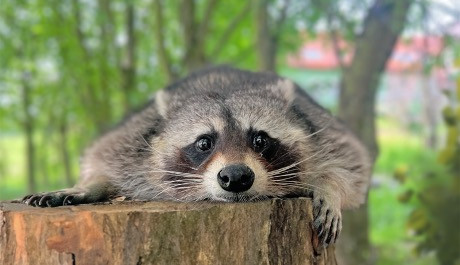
246, 146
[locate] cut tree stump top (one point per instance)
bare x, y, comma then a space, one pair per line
269, 232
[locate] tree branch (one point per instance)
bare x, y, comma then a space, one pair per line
128, 65
230, 29
333, 34
206, 21
280, 21
163, 55
99, 108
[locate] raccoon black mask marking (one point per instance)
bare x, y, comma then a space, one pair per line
226, 135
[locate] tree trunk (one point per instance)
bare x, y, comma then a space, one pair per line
266, 42
99, 108
43, 155
227, 33
431, 111
269, 232
63, 146
29, 131
107, 49
128, 65
163, 54
194, 57
382, 26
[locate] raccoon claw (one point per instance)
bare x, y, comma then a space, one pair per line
56, 198
327, 221
68, 200
31, 199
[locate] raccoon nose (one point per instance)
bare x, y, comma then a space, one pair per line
236, 178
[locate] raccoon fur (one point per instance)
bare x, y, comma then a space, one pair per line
226, 135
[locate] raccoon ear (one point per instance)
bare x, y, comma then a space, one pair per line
161, 102
285, 88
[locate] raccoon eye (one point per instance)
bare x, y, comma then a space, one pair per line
260, 141
204, 143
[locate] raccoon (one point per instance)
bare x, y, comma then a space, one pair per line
228, 135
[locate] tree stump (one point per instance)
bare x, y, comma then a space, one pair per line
268, 232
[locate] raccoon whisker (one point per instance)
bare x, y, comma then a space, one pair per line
168, 171
178, 199
191, 197
176, 187
290, 184
150, 146
163, 190
293, 164
294, 174
149, 149
185, 187
306, 137
167, 188
288, 181
296, 163
179, 174
278, 158
176, 173
278, 176
187, 166
150, 170
182, 188
281, 174
143, 149
183, 175
184, 179
283, 179
296, 185
142, 137
164, 155
188, 184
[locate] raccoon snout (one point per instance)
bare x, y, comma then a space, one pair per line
236, 178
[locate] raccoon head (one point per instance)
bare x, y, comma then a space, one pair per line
231, 144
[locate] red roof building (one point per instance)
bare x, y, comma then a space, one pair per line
409, 53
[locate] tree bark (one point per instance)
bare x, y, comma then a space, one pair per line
163, 54
107, 49
100, 108
384, 23
266, 43
269, 232
128, 65
194, 57
227, 33
63, 146
29, 127
268, 34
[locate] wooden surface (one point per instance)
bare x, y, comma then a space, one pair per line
269, 232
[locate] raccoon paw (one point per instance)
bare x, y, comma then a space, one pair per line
55, 198
327, 220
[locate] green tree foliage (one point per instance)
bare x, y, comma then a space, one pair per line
436, 194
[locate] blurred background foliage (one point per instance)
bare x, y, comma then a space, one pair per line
70, 69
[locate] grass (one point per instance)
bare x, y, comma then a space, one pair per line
12, 164
13, 182
399, 149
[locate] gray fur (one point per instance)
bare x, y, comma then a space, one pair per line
131, 160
